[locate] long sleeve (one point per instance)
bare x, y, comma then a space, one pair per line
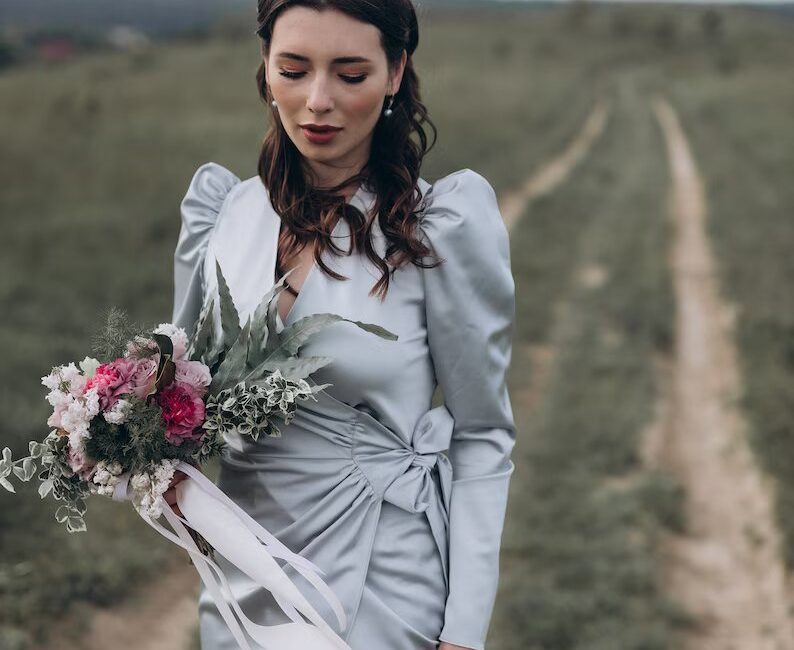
470, 308
200, 207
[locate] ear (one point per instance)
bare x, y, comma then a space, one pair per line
397, 77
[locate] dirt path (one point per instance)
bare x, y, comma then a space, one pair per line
158, 616
513, 205
726, 570
546, 179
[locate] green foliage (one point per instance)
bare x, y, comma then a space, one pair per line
110, 342
256, 350
136, 443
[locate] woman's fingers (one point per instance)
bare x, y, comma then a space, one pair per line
170, 498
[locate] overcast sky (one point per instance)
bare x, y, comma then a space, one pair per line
715, 2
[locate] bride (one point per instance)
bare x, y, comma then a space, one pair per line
401, 504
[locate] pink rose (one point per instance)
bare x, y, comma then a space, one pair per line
142, 383
183, 412
112, 380
195, 374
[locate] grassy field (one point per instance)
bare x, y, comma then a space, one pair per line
97, 155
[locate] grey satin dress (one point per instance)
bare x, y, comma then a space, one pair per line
400, 504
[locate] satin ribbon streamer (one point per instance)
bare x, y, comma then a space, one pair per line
233, 533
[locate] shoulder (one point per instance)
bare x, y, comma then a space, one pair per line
208, 189
216, 195
460, 211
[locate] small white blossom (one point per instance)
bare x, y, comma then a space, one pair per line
106, 477
149, 486
178, 337
117, 413
140, 481
89, 366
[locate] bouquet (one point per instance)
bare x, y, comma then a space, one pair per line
156, 401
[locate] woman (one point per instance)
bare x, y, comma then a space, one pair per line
361, 482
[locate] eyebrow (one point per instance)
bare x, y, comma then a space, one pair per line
339, 59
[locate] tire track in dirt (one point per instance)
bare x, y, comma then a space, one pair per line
514, 204
549, 176
726, 569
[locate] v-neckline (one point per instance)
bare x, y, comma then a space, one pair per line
288, 319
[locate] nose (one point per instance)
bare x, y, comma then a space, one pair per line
319, 99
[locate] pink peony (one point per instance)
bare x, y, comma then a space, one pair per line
195, 374
123, 376
183, 412
112, 380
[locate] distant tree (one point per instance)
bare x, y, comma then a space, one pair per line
622, 23
578, 14
8, 55
665, 31
711, 23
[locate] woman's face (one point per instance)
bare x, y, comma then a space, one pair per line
327, 68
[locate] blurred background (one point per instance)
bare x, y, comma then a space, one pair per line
643, 155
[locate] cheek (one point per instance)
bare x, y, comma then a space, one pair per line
366, 104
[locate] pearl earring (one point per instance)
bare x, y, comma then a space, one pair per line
273, 103
388, 110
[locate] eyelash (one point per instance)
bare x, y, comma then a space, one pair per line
346, 78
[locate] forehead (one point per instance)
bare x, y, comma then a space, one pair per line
324, 34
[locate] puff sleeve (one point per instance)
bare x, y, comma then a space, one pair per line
200, 207
470, 309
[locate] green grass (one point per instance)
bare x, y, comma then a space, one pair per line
579, 557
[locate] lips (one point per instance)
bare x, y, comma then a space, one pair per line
320, 128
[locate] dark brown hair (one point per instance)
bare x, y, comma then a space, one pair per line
391, 172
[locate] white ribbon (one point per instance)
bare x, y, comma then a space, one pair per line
233, 533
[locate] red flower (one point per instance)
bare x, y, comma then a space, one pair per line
183, 412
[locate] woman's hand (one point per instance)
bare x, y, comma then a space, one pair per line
170, 494
448, 646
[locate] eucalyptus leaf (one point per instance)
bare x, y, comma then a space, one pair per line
233, 363
35, 448
30, 468
7, 485
62, 514
5, 468
274, 337
294, 368
80, 506
7, 454
261, 329
299, 332
75, 524
230, 320
200, 342
45, 487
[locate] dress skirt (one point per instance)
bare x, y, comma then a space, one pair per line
372, 512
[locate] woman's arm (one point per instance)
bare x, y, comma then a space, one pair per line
470, 307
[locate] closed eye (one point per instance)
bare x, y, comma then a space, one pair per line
347, 78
